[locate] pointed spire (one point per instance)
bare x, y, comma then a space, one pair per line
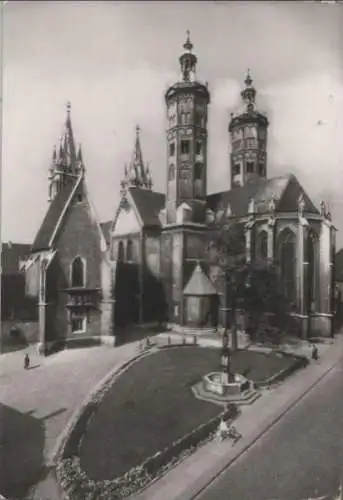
136, 175
249, 93
54, 155
188, 60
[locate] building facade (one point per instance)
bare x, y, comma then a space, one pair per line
151, 262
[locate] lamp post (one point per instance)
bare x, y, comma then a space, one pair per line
226, 359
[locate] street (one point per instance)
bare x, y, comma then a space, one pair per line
300, 457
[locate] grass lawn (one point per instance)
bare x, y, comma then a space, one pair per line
151, 405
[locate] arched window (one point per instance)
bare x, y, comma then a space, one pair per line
120, 254
262, 245
312, 257
78, 272
171, 172
287, 263
129, 251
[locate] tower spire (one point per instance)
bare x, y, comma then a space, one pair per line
136, 173
188, 60
249, 93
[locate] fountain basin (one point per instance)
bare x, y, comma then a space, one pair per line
217, 383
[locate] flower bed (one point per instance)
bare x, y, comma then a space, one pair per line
77, 486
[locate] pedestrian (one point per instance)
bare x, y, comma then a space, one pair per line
315, 352
26, 361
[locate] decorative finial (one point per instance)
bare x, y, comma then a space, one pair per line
138, 129
248, 80
188, 44
68, 107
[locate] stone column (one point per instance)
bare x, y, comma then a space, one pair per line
271, 238
107, 321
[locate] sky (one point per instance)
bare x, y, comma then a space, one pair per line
114, 60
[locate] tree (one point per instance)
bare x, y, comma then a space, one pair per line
253, 286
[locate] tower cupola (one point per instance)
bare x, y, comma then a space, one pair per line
248, 135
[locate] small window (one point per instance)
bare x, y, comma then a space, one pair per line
129, 251
250, 167
172, 149
78, 323
236, 169
261, 169
77, 272
120, 254
198, 171
198, 148
185, 147
171, 172
79, 197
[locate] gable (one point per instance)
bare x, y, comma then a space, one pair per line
127, 221
289, 199
148, 204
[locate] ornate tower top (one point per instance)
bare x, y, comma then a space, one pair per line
248, 134
188, 61
249, 93
188, 80
66, 164
136, 174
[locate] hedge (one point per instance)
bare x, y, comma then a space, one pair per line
77, 486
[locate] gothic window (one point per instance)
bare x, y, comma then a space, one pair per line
262, 245
198, 148
171, 172
250, 167
287, 263
198, 171
129, 251
120, 254
236, 169
172, 149
185, 147
78, 272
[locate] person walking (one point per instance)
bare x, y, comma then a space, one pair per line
26, 361
315, 352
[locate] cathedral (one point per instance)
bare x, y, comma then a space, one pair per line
151, 262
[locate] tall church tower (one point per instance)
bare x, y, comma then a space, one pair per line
186, 102
248, 134
66, 164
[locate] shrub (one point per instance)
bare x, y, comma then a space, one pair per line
77, 486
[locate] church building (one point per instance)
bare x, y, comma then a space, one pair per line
151, 263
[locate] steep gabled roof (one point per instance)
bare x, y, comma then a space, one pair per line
148, 204
199, 284
285, 190
52, 219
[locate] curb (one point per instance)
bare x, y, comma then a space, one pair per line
273, 420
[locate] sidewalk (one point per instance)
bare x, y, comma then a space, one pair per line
50, 392
192, 475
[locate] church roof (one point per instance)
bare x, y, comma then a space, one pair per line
52, 217
149, 204
284, 190
199, 284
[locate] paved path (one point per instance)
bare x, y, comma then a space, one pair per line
37, 404
186, 480
299, 458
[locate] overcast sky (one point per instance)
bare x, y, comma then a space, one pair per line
114, 60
